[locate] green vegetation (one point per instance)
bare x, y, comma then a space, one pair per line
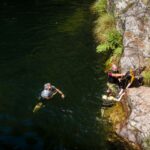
108, 38
115, 115
113, 42
103, 26
146, 76
146, 73
99, 7
146, 143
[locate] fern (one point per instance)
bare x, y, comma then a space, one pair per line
114, 39
102, 48
118, 51
113, 43
110, 40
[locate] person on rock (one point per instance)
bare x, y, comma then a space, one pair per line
123, 81
114, 77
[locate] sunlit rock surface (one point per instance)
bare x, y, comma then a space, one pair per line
137, 127
133, 20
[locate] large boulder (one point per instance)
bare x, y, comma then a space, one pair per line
133, 20
137, 127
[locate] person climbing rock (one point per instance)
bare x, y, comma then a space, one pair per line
114, 80
114, 75
133, 78
124, 81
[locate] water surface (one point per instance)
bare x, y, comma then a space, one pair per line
43, 42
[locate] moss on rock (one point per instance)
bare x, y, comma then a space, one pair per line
115, 115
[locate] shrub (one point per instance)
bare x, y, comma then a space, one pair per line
109, 39
104, 25
115, 40
113, 43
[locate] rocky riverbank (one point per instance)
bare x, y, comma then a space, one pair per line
137, 126
133, 21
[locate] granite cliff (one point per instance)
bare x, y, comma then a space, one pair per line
133, 21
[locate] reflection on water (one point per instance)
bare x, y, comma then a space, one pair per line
73, 23
41, 43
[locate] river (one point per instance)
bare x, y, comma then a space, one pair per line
49, 41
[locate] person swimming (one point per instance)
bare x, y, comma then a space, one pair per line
47, 93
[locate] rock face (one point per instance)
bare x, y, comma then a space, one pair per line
137, 127
133, 20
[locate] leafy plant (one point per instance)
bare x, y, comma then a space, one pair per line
104, 25
118, 51
113, 43
109, 39
114, 39
102, 48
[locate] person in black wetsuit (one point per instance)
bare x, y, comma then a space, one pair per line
48, 92
114, 78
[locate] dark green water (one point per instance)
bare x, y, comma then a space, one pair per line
43, 42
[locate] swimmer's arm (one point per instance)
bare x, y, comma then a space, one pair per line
60, 92
117, 75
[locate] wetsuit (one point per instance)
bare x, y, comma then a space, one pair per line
112, 79
43, 98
